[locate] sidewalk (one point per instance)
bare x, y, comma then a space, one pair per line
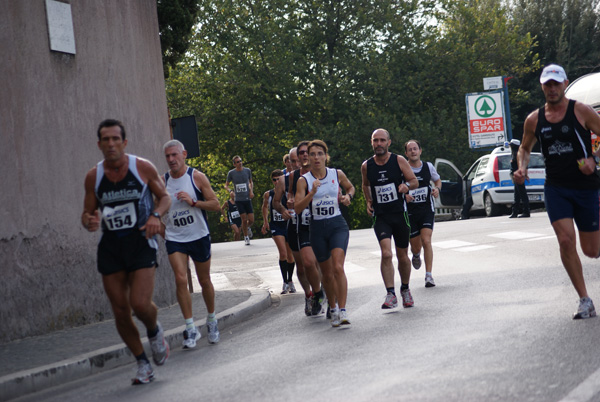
36, 363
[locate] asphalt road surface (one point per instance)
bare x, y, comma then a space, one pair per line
497, 327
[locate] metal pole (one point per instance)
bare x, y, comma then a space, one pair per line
507, 107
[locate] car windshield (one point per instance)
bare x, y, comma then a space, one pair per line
503, 162
536, 161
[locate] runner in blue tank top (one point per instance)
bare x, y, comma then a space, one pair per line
421, 208
275, 222
562, 127
122, 187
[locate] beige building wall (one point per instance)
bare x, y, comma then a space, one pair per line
50, 106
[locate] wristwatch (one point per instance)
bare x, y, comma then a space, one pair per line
156, 215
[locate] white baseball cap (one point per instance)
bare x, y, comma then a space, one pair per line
553, 72
515, 142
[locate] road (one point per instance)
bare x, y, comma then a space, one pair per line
496, 328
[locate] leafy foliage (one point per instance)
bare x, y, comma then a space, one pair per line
566, 33
176, 19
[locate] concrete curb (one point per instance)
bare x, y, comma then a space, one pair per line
43, 377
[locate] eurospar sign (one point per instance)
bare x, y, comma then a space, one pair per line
485, 112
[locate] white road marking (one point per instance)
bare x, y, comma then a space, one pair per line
515, 235
542, 238
465, 246
350, 267
473, 248
452, 244
586, 390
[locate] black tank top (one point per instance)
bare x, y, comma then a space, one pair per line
384, 182
231, 208
127, 204
275, 217
562, 144
422, 194
303, 219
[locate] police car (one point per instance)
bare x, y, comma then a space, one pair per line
489, 182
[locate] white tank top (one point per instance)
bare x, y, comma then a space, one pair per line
324, 204
184, 222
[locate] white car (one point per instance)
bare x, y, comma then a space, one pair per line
489, 182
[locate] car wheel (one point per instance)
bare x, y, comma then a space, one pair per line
491, 208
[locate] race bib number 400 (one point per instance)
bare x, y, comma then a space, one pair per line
120, 217
386, 193
419, 194
182, 218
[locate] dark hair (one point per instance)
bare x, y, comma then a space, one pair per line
301, 144
111, 123
415, 141
276, 173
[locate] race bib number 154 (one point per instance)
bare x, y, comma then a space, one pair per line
120, 217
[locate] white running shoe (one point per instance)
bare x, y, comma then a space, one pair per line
284, 290
190, 338
246, 241
291, 287
335, 317
344, 321
159, 346
212, 327
429, 283
416, 260
586, 309
144, 374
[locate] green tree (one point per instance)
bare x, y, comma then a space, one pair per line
176, 19
260, 76
566, 33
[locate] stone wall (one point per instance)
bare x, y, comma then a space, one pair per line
50, 106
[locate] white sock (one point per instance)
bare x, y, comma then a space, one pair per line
189, 323
211, 317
